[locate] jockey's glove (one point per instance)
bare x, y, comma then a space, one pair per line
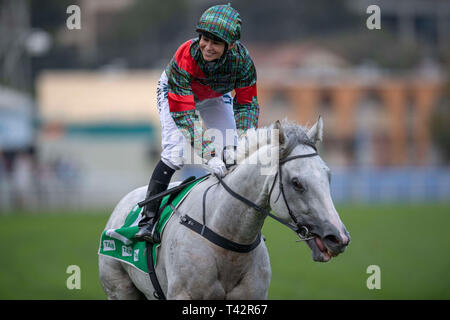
217, 166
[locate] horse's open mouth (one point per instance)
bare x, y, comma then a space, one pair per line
319, 251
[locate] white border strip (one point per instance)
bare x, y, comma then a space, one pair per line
113, 234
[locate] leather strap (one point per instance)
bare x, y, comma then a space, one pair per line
158, 293
254, 205
207, 233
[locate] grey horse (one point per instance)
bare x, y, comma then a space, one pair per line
191, 267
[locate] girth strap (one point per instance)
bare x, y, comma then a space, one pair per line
158, 293
210, 235
207, 233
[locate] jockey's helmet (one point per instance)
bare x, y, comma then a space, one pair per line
223, 22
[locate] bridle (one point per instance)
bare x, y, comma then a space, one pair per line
302, 231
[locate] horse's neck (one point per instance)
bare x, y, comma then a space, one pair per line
231, 217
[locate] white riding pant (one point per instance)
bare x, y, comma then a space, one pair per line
216, 113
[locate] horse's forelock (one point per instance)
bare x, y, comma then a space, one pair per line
294, 135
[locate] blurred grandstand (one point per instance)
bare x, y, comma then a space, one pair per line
78, 122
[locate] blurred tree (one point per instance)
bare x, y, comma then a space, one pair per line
292, 20
49, 15
146, 32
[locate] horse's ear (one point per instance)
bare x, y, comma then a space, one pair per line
281, 137
316, 132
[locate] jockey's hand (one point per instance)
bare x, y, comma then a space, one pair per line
217, 166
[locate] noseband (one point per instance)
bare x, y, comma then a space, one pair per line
302, 231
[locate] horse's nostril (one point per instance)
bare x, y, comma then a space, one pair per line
332, 239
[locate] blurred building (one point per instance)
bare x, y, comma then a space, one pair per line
97, 18
107, 123
17, 145
377, 122
391, 109
103, 123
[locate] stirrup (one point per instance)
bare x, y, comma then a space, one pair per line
152, 236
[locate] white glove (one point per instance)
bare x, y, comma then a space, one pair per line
217, 166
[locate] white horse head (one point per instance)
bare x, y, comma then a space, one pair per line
306, 184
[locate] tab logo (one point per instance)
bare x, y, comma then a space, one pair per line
126, 251
109, 245
136, 255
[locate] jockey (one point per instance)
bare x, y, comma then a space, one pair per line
199, 79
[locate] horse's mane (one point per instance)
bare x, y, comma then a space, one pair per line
254, 139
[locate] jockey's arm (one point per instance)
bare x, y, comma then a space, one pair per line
182, 110
189, 124
245, 104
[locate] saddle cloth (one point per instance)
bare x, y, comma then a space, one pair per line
120, 243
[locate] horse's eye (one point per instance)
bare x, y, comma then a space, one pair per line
298, 185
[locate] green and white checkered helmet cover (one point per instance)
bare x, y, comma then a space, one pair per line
222, 21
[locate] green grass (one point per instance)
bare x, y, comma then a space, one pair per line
410, 244
37, 249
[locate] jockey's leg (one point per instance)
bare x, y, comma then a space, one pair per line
158, 183
171, 160
218, 114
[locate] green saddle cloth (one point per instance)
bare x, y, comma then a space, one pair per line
120, 243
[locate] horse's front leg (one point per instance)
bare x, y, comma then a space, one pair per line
179, 296
250, 288
198, 287
254, 284
193, 277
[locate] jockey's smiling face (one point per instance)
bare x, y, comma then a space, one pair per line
211, 49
